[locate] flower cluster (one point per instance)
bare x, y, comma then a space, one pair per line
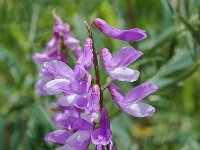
81, 102
56, 50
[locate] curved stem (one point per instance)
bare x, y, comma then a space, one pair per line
96, 65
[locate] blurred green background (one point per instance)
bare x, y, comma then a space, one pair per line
171, 60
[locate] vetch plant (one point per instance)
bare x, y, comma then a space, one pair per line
82, 116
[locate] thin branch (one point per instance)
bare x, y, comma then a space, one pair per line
96, 65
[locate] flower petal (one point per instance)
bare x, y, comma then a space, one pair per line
72, 43
81, 103
90, 117
138, 109
87, 54
59, 69
134, 34
102, 135
78, 141
125, 56
40, 58
68, 100
124, 74
39, 87
58, 136
116, 94
139, 92
76, 123
57, 86
106, 56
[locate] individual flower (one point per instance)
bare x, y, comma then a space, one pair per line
130, 104
134, 34
116, 65
103, 135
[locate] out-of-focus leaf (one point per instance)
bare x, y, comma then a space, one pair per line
121, 134
2, 132
160, 40
192, 30
7, 59
167, 6
178, 62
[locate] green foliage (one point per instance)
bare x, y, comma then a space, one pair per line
171, 59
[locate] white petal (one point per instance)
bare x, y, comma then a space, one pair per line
68, 100
138, 109
57, 86
124, 74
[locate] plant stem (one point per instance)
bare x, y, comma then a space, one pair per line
64, 47
96, 65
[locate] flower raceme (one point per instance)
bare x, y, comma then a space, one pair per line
81, 100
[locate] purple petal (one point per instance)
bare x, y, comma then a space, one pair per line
78, 141
40, 58
103, 135
124, 57
90, 117
104, 123
139, 92
87, 54
106, 56
59, 69
138, 109
52, 45
68, 100
76, 124
78, 52
79, 72
98, 139
86, 82
72, 43
58, 136
81, 103
134, 34
93, 105
116, 94
124, 74
77, 88
39, 86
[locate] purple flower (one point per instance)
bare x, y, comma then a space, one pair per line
54, 51
134, 34
64, 113
116, 65
65, 80
81, 101
90, 104
130, 104
103, 135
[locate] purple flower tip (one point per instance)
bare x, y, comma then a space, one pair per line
134, 34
